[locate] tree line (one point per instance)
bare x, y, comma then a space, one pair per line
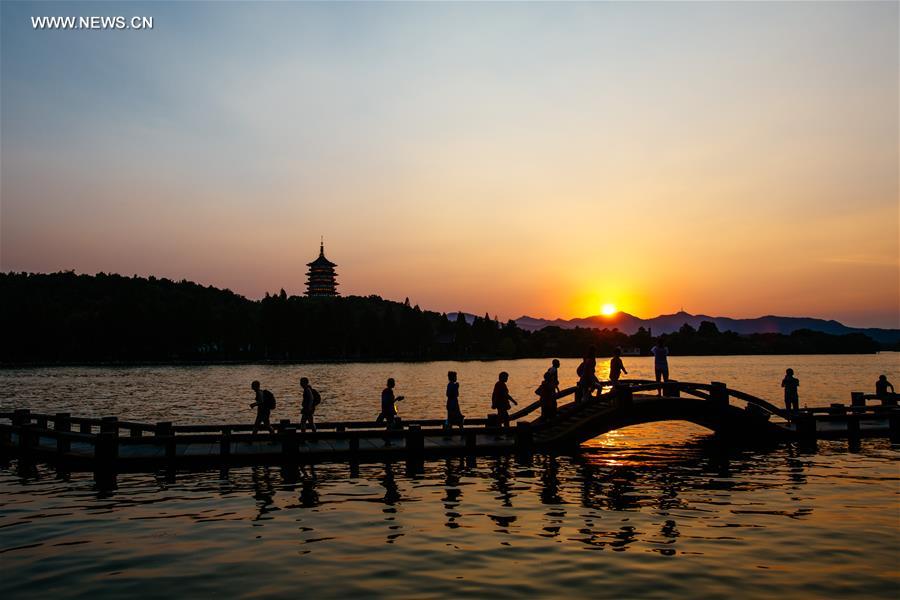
71, 318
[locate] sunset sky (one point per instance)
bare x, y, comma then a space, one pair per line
736, 159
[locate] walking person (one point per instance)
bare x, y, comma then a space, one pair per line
547, 393
264, 404
660, 362
454, 414
311, 400
587, 375
500, 399
791, 396
388, 404
553, 373
616, 367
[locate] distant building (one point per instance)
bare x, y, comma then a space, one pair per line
320, 280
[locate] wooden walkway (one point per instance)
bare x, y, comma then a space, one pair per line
111, 444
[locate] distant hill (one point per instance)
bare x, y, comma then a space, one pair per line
629, 324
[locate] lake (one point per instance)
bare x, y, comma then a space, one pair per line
658, 511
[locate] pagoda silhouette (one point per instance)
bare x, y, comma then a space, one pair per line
320, 280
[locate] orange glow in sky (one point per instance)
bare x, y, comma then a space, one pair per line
548, 159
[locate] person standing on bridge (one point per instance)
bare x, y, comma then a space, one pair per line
616, 367
553, 373
454, 414
311, 400
660, 362
587, 375
547, 393
388, 406
500, 399
264, 403
791, 396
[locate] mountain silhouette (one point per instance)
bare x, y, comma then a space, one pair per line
629, 324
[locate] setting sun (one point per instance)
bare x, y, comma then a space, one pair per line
608, 309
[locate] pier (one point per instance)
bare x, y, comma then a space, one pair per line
110, 443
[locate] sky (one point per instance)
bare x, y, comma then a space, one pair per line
733, 159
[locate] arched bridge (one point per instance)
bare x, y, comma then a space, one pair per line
635, 402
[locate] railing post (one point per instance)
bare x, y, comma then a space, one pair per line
225, 442
22, 419
471, 441
858, 400
41, 421
671, 389
21, 416
718, 394
289, 444
85, 427
493, 421
415, 439
853, 427
894, 424
25, 437
837, 408
135, 432
166, 436
806, 425
106, 443
62, 424
354, 443
624, 396
524, 435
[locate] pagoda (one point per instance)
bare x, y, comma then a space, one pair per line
320, 280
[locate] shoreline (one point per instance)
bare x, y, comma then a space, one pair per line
339, 361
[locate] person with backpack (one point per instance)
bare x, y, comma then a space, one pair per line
264, 404
311, 400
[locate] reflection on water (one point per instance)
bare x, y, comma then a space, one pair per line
644, 512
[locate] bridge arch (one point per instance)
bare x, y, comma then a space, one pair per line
705, 405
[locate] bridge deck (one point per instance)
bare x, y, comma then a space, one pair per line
111, 443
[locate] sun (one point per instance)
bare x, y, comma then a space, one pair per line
608, 310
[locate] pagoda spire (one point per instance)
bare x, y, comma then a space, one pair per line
321, 276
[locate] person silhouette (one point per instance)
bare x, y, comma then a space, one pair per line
791, 396
388, 406
553, 373
660, 362
547, 393
881, 387
587, 375
264, 402
616, 367
308, 405
454, 414
500, 399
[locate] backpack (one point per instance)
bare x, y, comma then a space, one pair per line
316, 396
269, 399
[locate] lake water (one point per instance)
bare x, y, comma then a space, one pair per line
651, 511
